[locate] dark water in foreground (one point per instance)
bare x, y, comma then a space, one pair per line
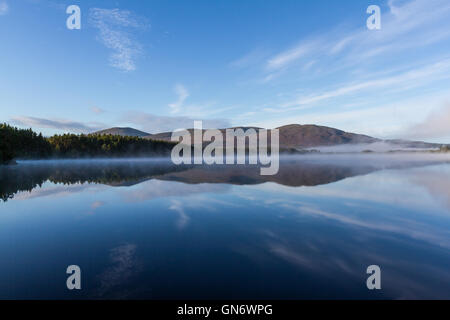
147, 229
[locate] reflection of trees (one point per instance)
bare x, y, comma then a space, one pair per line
13, 181
26, 177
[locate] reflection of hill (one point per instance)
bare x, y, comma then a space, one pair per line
298, 171
290, 174
295, 172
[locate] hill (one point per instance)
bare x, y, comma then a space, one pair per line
301, 136
117, 131
305, 136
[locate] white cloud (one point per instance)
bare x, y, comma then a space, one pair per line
285, 58
155, 124
113, 26
182, 94
4, 8
59, 124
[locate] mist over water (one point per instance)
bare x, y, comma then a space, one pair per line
381, 146
146, 228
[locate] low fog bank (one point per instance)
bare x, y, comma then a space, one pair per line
342, 158
369, 157
380, 146
96, 160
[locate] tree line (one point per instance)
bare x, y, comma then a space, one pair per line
24, 143
18, 143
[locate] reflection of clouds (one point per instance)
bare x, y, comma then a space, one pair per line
56, 191
347, 219
95, 205
436, 181
123, 266
183, 217
401, 278
341, 262
409, 226
388, 220
154, 189
197, 203
291, 256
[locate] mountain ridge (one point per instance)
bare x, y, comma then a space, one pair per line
292, 136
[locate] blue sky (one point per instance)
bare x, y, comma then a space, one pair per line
160, 65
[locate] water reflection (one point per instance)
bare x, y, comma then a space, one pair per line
294, 171
147, 229
124, 265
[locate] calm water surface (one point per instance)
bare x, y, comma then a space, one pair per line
147, 229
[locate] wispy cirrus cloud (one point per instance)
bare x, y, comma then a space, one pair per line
408, 24
182, 94
283, 59
97, 110
114, 26
4, 8
59, 124
252, 58
399, 81
200, 110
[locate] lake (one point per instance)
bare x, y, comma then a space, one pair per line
146, 229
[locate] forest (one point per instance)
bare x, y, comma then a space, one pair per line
18, 143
